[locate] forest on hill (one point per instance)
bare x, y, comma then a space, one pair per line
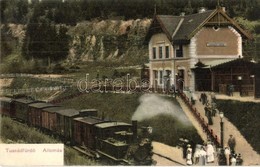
73, 11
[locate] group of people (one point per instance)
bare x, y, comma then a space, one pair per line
202, 155
210, 109
206, 153
232, 158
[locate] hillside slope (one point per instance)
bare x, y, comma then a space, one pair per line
95, 40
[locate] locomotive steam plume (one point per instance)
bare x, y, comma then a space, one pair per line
152, 105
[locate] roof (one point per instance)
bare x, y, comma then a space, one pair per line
5, 99
89, 110
213, 63
54, 109
41, 105
169, 22
89, 120
191, 23
222, 62
111, 124
25, 100
237, 62
68, 112
183, 28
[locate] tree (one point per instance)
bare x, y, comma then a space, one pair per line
62, 43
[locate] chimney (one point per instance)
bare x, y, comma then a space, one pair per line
134, 124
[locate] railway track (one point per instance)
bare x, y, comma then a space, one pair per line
161, 159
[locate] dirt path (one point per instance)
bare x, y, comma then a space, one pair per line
249, 156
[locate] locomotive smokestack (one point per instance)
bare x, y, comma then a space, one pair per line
134, 123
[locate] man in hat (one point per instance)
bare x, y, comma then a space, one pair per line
232, 143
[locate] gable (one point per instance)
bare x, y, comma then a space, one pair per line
217, 19
162, 24
220, 18
180, 29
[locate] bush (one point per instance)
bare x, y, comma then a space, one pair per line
245, 116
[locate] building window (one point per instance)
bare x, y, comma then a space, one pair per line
155, 78
160, 51
161, 77
179, 51
167, 52
154, 52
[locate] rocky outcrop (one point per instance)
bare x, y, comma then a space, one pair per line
107, 39
96, 40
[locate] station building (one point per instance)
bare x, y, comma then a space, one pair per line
179, 45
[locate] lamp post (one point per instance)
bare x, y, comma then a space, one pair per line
239, 78
253, 77
221, 115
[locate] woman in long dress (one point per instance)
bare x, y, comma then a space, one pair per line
202, 159
210, 153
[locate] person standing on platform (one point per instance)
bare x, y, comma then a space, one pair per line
227, 154
232, 143
233, 160
239, 160
213, 97
189, 157
209, 116
210, 153
203, 156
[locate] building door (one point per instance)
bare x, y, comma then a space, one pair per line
202, 80
180, 80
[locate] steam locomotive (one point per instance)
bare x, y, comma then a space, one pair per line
119, 142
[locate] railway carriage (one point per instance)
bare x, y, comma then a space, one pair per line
21, 107
36, 117
65, 122
117, 141
6, 107
49, 116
